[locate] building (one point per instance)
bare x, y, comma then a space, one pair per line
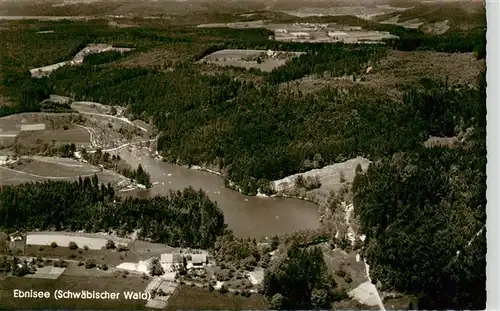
172, 260
199, 260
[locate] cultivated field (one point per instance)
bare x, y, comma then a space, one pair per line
73, 134
258, 59
33, 129
311, 32
47, 168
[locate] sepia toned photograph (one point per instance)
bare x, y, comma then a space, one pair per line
243, 155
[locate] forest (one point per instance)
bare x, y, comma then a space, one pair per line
417, 206
424, 211
181, 219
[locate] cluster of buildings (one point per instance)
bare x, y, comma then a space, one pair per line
170, 262
175, 261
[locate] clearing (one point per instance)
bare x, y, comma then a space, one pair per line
63, 240
332, 177
51, 168
71, 134
77, 60
31, 130
258, 59
400, 69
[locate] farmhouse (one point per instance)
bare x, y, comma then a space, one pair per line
199, 260
172, 260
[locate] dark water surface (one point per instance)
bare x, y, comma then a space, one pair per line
245, 215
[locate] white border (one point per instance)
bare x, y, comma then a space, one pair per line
493, 166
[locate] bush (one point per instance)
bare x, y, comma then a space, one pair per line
340, 273
104, 267
223, 289
22, 271
80, 263
110, 244
72, 245
122, 248
90, 263
61, 263
53, 245
85, 247
342, 177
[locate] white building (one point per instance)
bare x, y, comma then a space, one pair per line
199, 260
171, 261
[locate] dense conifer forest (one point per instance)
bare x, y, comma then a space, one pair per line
424, 210
181, 219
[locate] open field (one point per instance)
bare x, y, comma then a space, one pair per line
146, 250
114, 283
9, 177
90, 107
45, 168
55, 167
47, 272
63, 240
14, 122
74, 134
195, 298
32, 130
332, 177
112, 258
361, 11
258, 59
90, 127
310, 32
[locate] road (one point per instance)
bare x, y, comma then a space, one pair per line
91, 131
